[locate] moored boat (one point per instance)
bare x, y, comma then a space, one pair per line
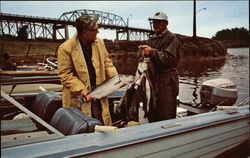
203, 135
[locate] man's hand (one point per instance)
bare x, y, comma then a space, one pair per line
145, 49
85, 95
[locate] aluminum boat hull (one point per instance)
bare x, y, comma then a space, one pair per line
202, 135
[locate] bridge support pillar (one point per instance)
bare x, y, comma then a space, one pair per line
66, 32
54, 32
127, 35
117, 35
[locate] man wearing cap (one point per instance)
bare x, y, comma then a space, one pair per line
84, 63
162, 49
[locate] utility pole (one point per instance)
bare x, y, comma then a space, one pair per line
194, 20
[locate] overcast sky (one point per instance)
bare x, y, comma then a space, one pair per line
218, 15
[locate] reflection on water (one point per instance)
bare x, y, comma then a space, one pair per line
235, 67
199, 68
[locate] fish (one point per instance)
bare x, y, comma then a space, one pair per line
143, 89
108, 87
111, 85
130, 93
141, 74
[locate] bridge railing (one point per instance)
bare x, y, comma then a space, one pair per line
104, 19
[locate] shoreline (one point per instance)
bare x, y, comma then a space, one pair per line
30, 53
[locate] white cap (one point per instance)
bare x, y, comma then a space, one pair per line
159, 16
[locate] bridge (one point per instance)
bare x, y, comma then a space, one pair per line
58, 29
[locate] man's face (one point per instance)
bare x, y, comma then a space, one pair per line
159, 25
90, 34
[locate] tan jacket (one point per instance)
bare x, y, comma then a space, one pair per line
74, 73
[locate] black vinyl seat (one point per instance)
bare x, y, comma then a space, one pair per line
70, 121
45, 105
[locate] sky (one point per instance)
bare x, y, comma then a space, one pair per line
211, 16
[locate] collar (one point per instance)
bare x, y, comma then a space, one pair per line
161, 34
75, 37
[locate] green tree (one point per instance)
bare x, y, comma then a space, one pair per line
232, 34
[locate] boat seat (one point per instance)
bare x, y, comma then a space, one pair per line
70, 121
45, 105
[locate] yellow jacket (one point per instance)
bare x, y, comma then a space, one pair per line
74, 73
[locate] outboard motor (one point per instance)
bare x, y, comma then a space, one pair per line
218, 92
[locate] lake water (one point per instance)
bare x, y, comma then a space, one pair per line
235, 68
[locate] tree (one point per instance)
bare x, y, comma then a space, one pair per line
232, 34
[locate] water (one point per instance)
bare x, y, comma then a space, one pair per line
235, 68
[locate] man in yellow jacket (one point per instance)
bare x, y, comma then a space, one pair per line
84, 63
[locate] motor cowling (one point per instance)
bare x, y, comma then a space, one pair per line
218, 91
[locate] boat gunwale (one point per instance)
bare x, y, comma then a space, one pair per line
94, 149
160, 136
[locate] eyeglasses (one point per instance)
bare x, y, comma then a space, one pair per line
156, 21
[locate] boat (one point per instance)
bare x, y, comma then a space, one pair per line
52, 62
209, 134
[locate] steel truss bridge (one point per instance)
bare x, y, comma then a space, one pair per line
58, 29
